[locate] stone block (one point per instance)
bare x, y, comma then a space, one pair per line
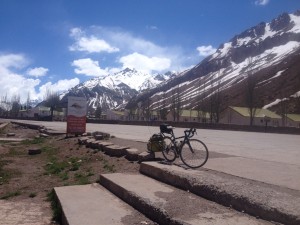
82, 140
146, 156
115, 150
34, 151
99, 137
132, 154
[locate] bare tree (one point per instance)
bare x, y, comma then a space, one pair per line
98, 112
52, 101
251, 94
15, 106
5, 105
163, 111
176, 104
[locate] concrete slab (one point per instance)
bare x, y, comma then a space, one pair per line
285, 175
22, 213
94, 205
266, 201
12, 139
167, 205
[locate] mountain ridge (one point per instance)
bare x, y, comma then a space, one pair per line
267, 51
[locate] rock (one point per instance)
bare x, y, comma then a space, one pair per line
10, 134
82, 141
44, 135
103, 144
98, 137
146, 156
34, 151
132, 154
115, 150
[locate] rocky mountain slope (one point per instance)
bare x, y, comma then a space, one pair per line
115, 90
268, 53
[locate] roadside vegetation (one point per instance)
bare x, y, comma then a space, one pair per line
62, 162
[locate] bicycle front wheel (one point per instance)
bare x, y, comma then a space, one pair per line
194, 153
168, 149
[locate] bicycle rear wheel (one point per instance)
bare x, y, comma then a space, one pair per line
168, 149
194, 153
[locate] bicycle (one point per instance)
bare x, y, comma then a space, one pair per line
193, 152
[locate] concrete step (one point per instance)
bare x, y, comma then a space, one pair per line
168, 205
94, 205
269, 202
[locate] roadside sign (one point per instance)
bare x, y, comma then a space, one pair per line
76, 117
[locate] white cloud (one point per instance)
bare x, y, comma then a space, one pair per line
145, 63
12, 83
37, 72
131, 48
16, 84
88, 67
60, 86
262, 2
90, 44
206, 50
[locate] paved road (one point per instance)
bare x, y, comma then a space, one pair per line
270, 158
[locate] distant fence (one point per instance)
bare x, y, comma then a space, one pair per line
213, 126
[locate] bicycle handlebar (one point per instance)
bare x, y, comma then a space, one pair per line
190, 132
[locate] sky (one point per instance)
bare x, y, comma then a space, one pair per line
53, 45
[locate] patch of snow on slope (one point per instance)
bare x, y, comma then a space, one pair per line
278, 74
223, 51
268, 33
243, 41
296, 20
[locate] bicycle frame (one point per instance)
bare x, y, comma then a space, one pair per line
185, 138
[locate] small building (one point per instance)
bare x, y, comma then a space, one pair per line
42, 112
293, 120
114, 115
241, 116
189, 115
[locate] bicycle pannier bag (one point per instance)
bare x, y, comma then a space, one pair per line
155, 143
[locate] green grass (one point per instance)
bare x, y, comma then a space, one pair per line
15, 152
109, 167
32, 195
56, 167
7, 174
81, 179
10, 195
56, 207
35, 141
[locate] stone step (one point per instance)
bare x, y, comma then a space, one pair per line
269, 202
168, 205
93, 205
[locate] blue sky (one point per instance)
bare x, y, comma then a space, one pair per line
56, 44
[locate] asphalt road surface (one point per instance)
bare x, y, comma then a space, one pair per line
270, 158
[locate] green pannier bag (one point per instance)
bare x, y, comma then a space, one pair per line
155, 143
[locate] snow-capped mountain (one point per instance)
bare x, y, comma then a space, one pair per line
270, 52
115, 90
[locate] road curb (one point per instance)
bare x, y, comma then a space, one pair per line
258, 199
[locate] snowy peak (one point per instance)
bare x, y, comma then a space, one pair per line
115, 90
269, 50
278, 38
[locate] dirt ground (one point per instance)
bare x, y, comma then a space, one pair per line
30, 178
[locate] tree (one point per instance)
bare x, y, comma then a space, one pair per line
5, 105
176, 104
15, 106
98, 112
251, 93
163, 111
52, 101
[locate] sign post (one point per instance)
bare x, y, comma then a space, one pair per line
76, 117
